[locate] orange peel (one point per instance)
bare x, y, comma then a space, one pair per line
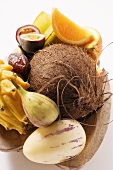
95, 46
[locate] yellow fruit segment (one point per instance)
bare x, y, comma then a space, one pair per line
52, 39
68, 31
7, 74
5, 124
12, 115
42, 21
7, 116
48, 32
15, 107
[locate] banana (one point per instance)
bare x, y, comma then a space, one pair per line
6, 67
1, 105
6, 74
12, 115
15, 108
7, 88
11, 122
1, 61
5, 124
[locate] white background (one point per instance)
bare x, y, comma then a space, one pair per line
94, 13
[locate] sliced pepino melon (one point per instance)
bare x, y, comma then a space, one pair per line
62, 140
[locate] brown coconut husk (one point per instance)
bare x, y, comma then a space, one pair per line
68, 75
61, 70
95, 128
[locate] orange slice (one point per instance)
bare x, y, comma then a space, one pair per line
94, 47
68, 31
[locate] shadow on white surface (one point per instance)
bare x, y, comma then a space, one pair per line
17, 161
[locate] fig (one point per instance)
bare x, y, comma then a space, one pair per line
25, 30
32, 42
40, 110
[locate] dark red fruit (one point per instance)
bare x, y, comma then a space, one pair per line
20, 64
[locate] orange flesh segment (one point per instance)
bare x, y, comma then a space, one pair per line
68, 31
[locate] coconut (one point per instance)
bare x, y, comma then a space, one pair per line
95, 126
68, 75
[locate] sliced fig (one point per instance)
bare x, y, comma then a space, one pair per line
25, 30
32, 42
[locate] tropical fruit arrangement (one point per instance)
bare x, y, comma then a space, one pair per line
53, 92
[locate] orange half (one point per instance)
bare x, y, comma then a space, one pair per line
68, 31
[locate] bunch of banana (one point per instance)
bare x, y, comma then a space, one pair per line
12, 115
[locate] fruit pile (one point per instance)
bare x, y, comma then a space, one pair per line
48, 29
72, 73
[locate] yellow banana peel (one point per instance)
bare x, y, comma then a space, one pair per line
12, 115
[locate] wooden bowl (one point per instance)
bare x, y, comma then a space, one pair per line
13, 141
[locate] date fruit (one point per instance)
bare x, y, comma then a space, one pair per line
20, 64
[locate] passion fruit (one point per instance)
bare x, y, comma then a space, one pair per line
32, 42
25, 30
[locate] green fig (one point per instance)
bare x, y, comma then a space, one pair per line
40, 110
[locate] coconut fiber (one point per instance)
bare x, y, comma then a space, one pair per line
68, 75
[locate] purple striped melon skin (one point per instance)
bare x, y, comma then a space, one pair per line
59, 142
